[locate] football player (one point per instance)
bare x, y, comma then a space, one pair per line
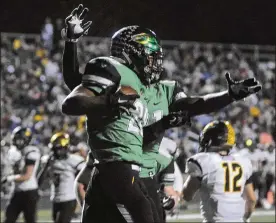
136, 49
223, 177
62, 168
24, 178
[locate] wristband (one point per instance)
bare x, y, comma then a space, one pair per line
66, 39
12, 178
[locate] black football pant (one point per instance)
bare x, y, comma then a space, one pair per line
63, 212
118, 183
152, 187
22, 201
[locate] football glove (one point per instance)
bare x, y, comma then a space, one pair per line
7, 179
166, 201
241, 89
176, 119
118, 102
75, 26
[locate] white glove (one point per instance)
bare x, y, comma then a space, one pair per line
8, 179
75, 26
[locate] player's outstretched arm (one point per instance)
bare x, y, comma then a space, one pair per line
237, 90
75, 28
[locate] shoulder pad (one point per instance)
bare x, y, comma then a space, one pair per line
31, 150
195, 164
101, 70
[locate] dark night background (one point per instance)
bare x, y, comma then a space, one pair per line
251, 22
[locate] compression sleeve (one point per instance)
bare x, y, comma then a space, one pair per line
70, 66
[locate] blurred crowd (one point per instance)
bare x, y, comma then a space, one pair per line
32, 87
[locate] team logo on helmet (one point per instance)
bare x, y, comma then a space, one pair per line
146, 40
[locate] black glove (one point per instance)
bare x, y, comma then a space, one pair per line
75, 26
176, 119
118, 102
166, 201
241, 89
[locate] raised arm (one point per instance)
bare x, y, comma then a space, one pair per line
75, 28
70, 66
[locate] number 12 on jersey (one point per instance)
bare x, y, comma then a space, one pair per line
232, 175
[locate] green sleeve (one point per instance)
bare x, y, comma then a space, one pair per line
162, 162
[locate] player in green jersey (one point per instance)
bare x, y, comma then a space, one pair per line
115, 120
153, 66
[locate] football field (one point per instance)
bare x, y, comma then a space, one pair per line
184, 216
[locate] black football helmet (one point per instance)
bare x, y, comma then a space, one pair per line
21, 137
217, 136
59, 144
140, 50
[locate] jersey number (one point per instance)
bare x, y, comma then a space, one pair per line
140, 118
232, 176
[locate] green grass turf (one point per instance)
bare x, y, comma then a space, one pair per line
45, 215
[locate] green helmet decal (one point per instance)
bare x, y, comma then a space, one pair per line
148, 41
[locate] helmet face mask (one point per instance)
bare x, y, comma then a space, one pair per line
59, 144
21, 137
60, 152
141, 51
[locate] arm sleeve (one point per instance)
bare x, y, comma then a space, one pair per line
193, 168
70, 66
31, 158
197, 105
100, 74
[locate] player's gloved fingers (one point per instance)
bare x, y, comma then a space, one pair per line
83, 13
228, 78
74, 12
87, 25
255, 89
79, 10
68, 19
85, 32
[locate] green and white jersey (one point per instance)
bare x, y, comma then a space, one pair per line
119, 139
162, 95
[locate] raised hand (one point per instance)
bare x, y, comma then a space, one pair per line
75, 26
